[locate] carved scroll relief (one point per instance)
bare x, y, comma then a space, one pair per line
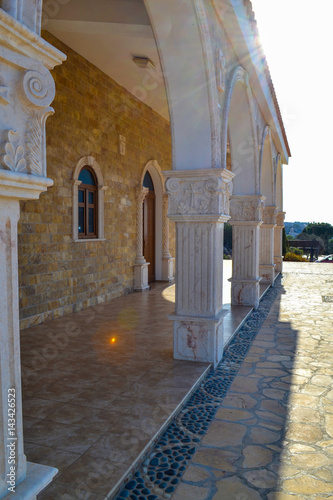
198, 196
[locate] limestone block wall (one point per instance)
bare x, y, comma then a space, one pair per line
58, 275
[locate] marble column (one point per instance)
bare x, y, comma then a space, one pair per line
140, 266
199, 205
167, 260
266, 260
26, 91
278, 257
246, 219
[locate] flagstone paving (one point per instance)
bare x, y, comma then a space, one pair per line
261, 424
272, 437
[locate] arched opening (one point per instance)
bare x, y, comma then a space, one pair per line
149, 230
241, 144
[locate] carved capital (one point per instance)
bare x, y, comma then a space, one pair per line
38, 89
280, 219
269, 215
199, 193
246, 208
141, 193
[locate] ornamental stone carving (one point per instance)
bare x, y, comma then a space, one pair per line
37, 88
199, 193
280, 219
246, 208
269, 215
13, 153
27, 89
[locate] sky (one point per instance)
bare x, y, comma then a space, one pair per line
297, 38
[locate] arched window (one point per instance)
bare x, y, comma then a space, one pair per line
88, 201
87, 204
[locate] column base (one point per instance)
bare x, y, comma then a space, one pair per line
141, 277
198, 338
245, 292
37, 478
278, 264
267, 273
168, 269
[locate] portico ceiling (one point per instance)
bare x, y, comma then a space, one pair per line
108, 33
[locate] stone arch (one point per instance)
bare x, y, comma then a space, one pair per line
90, 162
239, 129
155, 172
184, 43
266, 169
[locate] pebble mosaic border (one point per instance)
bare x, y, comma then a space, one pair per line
159, 475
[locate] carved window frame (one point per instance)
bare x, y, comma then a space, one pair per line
89, 161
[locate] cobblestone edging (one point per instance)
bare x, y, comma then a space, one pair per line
162, 471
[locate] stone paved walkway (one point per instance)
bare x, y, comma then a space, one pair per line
272, 437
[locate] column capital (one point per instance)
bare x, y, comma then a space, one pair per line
269, 216
27, 90
199, 195
280, 219
246, 209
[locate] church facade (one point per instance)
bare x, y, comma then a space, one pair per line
166, 126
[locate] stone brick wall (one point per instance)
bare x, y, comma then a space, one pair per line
58, 275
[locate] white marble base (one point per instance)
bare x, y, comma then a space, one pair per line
245, 292
141, 277
267, 273
168, 269
198, 338
37, 478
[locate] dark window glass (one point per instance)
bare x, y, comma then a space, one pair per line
81, 220
148, 182
87, 177
87, 204
91, 220
81, 196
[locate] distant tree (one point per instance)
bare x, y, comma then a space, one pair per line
330, 246
320, 231
228, 236
290, 238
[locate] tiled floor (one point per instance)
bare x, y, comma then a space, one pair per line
99, 384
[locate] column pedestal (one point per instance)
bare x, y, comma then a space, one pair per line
278, 230
246, 219
168, 269
199, 205
267, 264
141, 277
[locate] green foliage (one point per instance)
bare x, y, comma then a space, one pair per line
228, 236
330, 246
290, 238
292, 257
320, 231
297, 251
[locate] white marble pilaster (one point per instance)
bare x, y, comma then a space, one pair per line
13, 188
278, 230
246, 219
266, 260
26, 91
167, 260
140, 266
199, 205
